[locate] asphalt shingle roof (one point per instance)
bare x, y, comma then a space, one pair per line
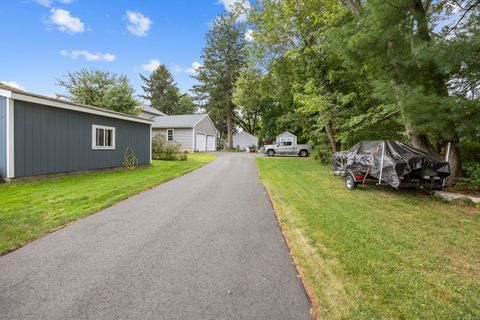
150, 110
177, 121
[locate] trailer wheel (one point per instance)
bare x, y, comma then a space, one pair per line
271, 153
350, 184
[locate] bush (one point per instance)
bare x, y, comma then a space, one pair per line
472, 169
470, 151
165, 150
182, 156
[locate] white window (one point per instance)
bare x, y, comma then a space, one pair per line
170, 135
103, 138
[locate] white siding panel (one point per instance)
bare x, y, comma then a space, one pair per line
181, 136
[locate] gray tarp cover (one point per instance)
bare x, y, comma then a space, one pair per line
399, 160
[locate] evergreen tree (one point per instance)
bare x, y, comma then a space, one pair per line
398, 41
161, 90
186, 105
223, 57
101, 89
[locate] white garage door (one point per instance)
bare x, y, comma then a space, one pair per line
201, 142
211, 145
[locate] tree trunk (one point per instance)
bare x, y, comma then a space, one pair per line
230, 126
418, 141
331, 136
453, 158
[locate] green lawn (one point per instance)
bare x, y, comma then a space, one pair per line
376, 253
30, 209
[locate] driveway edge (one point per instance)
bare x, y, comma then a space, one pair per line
308, 291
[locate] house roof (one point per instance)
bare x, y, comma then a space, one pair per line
150, 110
244, 133
178, 121
65, 104
286, 133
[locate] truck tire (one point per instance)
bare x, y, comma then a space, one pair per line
303, 153
270, 152
350, 183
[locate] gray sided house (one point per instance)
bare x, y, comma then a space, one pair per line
243, 140
41, 135
193, 132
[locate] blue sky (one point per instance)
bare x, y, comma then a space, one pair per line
44, 39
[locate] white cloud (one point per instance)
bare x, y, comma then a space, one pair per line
45, 3
192, 70
65, 21
138, 24
48, 3
151, 65
13, 84
230, 5
75, 54
249, 35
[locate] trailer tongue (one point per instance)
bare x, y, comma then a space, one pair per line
389, 162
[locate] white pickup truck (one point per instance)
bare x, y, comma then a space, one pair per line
287, 148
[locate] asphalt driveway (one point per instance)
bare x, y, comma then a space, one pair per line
203, 246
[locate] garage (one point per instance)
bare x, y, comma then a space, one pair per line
211, 145
201, 142
192, 132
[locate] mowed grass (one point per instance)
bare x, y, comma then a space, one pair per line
31, 209
376, 253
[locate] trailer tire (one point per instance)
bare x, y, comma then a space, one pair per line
270, 152
350, 183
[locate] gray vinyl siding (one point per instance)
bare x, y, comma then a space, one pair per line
3, 137
53, 140
206, 126
183, 136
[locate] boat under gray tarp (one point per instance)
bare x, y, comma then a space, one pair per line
392, 162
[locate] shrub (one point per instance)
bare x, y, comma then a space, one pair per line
182, 156
164, 150
472, 169
470, 151
158, 146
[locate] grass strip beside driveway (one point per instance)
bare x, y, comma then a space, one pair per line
376, 253
31, 209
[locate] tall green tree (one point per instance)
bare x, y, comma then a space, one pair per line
223, 57
251, 100
161, 90
99, 88
399, 41
186, 105
316, 93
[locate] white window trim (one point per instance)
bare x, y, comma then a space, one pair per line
173, 135
94, 137
10, 138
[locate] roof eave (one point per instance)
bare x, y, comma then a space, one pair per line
52, 102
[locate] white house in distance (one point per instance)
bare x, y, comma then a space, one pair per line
193, 132
243, 140
286, 136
